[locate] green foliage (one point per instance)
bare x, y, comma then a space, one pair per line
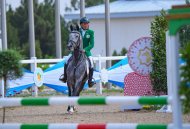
158, 75
12, 33
43, 66
185, 78
41, 88
114, 54
187, 2
184, 34
64, 37
10, 66
122, 53
44, 18
75, 4
26, 50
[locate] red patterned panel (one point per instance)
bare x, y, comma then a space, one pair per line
137, 85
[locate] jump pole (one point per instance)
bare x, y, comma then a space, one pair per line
90, 126
110, 100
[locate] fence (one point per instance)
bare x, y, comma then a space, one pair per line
34, 61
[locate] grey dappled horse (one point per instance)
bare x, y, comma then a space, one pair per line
77, 67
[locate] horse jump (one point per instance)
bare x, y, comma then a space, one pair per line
90, 126
127, 100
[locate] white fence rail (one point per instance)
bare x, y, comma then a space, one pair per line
34, 61
99, 58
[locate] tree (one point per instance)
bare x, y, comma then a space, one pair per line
19, 20
187, 1
114, 54
44, 22
25, 51
123, 51
158, 75
10, 66
12, 32
184, 34
185, 75
64, 37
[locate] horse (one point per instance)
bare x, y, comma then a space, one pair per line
77, 65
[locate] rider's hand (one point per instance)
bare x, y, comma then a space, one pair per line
83, 50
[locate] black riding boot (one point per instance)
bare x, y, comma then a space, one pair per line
64, 78
90, 82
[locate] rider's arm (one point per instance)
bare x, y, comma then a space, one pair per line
91, 43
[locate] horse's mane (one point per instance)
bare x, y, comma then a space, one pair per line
74, 27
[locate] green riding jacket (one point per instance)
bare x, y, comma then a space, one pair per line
88, 41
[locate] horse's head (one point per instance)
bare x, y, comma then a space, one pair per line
75, 39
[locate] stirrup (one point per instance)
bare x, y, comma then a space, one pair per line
62, 78
91, 83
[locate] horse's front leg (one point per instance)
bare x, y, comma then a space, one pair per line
70, 108
75, 92
69, 95
79, 85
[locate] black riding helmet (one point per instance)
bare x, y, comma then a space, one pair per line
84, 20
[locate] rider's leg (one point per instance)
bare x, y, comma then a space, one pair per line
91, 71
64, 79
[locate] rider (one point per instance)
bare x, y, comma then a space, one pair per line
88, 44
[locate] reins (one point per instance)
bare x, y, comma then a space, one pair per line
81, 56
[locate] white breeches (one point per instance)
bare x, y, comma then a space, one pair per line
91, 61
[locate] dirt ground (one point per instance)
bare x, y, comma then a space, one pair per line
85, 114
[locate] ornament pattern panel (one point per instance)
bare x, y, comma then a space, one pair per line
137, 85
140, 56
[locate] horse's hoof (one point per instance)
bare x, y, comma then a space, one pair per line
70, 113
75, 109
70, 110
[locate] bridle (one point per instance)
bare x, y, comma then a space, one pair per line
77, 43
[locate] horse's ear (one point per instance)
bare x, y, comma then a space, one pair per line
71, 28
77, 27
